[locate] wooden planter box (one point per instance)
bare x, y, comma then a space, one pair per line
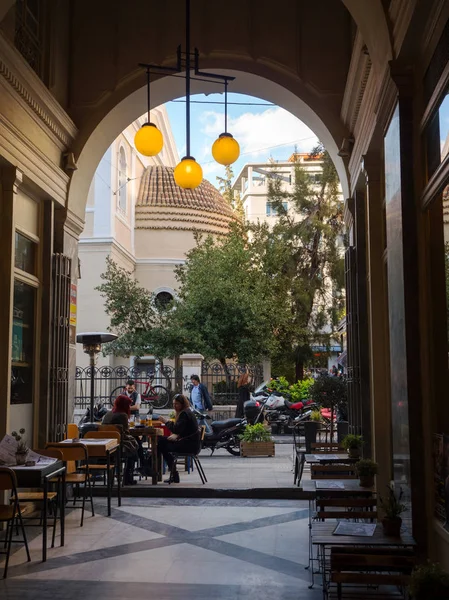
257, 449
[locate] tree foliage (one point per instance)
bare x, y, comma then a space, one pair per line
303, 259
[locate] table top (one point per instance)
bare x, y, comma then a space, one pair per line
34, 476
146, 431
334, 457
336, 485
323, 535
106, 444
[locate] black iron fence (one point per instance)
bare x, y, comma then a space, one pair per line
221, 381
109, 381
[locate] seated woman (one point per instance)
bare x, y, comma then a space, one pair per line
119, 415
185, 437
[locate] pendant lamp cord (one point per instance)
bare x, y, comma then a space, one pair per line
226, 106
148, 94
188, 77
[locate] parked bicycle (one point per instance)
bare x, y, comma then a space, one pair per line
155, 395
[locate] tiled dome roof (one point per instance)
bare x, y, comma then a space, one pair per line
158, 188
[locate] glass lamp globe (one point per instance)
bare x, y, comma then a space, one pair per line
188, 173
225, 149
148, 140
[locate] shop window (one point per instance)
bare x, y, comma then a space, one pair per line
28, 32
122, 181
437, 137
25, 254
22, 354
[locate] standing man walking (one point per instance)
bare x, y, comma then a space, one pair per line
199, 396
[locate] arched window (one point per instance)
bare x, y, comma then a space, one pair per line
122, 180
163, 300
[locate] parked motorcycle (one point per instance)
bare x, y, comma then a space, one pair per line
279, 410
221, 434
99, 412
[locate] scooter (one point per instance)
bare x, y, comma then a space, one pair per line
221, 434
99, 412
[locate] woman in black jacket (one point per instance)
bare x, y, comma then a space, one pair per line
244, 395
185, 437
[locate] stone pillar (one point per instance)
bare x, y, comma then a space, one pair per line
378, 320
10, 179
266, 367
191, 365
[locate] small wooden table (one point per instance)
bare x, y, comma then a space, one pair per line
104, 448
152, 433
323, 536
39, 476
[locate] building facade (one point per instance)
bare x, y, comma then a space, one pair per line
374, 95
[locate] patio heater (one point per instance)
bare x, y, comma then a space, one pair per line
92, 346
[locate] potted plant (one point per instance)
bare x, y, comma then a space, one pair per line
256, 440
22, 448
353, 444
316, 416
392, 507
429, 581
366, 469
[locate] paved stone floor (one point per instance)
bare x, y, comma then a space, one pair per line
173, 548
236, 472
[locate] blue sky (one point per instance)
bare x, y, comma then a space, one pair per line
262, 131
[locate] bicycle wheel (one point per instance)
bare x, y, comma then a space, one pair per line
118, 390
159, 397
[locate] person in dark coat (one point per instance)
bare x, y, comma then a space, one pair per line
243, 389
185, 437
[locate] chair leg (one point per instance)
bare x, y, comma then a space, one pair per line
173, 469
8, 549
91, 496
55, 508
84, 503
22, 527
199, 466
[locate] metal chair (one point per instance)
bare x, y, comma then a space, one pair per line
76, 452
193, 456
10, 513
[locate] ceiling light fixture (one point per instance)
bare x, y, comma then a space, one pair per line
188, 173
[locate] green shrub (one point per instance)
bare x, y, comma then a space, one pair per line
256, 433
366, 468
352, 442
316, 416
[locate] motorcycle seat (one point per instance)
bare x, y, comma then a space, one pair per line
219, 425
294, 405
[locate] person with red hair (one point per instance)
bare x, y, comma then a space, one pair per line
120, 412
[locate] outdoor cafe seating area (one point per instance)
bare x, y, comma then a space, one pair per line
352, 553
38, 490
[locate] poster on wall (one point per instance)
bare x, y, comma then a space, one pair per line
73, 313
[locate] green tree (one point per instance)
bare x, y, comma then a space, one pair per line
232, 197
224, 299
302, 257
142, 326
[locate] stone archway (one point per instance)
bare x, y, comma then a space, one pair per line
169, 88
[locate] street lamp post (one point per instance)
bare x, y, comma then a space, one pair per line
92, 346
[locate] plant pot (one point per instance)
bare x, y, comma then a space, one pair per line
354, 452
392, 527
366, 481
257, 449
310, 433
21, 458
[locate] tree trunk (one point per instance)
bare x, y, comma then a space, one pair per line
299, 369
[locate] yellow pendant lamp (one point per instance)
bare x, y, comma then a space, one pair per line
226, 149
188, 173
148, 140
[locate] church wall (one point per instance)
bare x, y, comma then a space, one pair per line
158, 243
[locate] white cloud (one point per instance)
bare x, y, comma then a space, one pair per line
257, 132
